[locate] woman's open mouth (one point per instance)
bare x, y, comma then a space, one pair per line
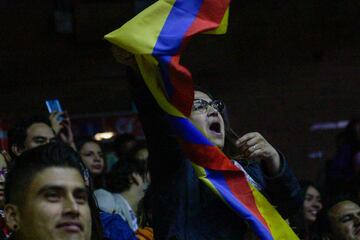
215, 127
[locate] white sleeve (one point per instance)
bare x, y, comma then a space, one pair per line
105, 200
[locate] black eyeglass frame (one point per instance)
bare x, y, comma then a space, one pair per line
201, 106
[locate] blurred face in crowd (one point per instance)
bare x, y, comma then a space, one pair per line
206, 116
93, 157
127, 146
312, 203
142, 154
55, 207
38, 134
3, 171
345, 221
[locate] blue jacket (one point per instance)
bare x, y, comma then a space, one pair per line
115, 228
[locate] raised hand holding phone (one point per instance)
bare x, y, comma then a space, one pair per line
56, 114
54, 106
60, 122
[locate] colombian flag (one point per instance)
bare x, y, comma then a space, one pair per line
157, 37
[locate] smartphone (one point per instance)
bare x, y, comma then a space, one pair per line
53, 105
233, 151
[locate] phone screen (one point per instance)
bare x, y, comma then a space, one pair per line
53, 105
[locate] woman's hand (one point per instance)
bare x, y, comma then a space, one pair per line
254, 146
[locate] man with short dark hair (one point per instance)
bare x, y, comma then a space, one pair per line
46, 196
29, 133
340, 219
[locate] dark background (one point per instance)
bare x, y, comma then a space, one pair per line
282, 66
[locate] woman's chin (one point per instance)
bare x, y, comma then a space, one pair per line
96, 172
218, 142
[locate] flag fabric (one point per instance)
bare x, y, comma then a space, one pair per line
157, 37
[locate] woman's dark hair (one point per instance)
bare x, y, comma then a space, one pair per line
304, 186
298, 222
213, 97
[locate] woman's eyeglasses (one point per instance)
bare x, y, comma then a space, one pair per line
202, 106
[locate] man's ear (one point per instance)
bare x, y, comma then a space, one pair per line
12, 217
17, 150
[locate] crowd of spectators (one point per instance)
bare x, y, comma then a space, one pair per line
58, 186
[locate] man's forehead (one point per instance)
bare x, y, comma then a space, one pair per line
343, 208
66, 177
40, 128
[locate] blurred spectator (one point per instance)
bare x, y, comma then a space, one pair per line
92, 156
29, 133
123, 144
46, 196
4, 230
339, 220
37, 130
303, 221
141, 155
346, 162
141, 152
119, 205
